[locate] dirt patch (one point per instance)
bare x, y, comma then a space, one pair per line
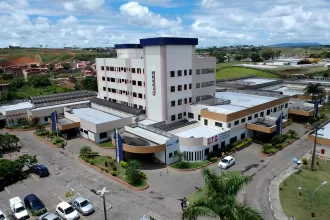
22, 61
56, 53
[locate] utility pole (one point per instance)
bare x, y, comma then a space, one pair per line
102, 194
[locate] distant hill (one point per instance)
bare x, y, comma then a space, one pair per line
295, 44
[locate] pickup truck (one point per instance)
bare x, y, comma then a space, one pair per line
18, 209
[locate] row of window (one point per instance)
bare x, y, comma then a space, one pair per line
180, 73
181, 101
180, 87
123, 69
205, 84
205, 71
180, 116
123, 92
124, 103
133, 82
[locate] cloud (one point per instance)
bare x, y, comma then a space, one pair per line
68, 21
210, 4
75, 5
141, 15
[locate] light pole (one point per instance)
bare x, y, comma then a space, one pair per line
102, 194
311, 196
314, 147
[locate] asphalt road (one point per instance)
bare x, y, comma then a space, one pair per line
255, 194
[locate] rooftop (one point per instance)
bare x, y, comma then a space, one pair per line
94, 116
315, 81
157, 41
128, 46
287, 91
65, 121
18, 106
200, 131
160, 139
255, 81
60, 105
324, 133
147, 122
118, 106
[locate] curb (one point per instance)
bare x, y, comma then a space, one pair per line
115, 178
49, 143
23, 130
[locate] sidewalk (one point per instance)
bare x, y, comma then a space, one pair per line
274, 191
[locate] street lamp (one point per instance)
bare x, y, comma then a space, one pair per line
311, 196
102, 194
314, 147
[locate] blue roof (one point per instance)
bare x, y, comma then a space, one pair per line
127, 46
168, 41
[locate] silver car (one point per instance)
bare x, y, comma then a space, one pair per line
84, 206
49, 216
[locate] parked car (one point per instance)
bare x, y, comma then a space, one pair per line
84, 206
34, 204
40, 170
227, 162
17, 208
49, 216
66, 211
2, 216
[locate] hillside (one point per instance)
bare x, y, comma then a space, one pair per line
294, 45
235, 72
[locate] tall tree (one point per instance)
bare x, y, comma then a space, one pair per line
255, 57
220, 201
89, 83
315, 90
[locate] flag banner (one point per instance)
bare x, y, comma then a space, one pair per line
53, 116
119, 146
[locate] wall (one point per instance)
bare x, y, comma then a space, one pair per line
130, 53
120, 123
111, 111
161, 156
172, 147
71, 117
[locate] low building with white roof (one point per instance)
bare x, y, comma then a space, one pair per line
322, 141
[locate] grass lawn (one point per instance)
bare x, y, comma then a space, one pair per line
20, 127
326, 108
106, 144
201, 193
99, 161
235, 72
295, 205
53, 139
191, 165
27, 91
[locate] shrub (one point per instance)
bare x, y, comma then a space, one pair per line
105, 169
313, 214
123, 164
214, 159
212, 154
91, 162
95, 153
183, 165
281, 188
106, 163
238, 142
87, 150
26, 126
278, 146
132, 172
272, 150
300, 193
304, 161
143, 175
317, 163
113, 173
114, 168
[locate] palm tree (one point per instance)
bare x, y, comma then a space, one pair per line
315, 90
220, 200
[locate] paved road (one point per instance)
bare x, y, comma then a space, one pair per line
256, 193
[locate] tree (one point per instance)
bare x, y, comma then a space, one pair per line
34, 121
220, 200
278, 53
17, 83
315, 90
10, 170
66, 66
39, 81
86, 151
89, 83
268, 54
51, 67
8, 142
255, 57
132, 172
40, 128
25, 158
326, 74
292, 133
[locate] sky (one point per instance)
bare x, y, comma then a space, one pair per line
103, 23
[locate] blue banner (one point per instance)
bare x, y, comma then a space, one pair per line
279, 124
321, 100
53, 116
119, 146
316, 108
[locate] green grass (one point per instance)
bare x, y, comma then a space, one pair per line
191, 165
326, 108
201, 193
27, 91
99, 161
235, 72
106, 144
295, 205
228, 64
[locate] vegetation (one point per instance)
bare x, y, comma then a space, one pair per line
235, 72
315, 90
317, 120
106, 144
295, 202
219, 200
8, 142
85, 151
133, 173
53, 137
87, 83
10, 170
278, 142
189, 165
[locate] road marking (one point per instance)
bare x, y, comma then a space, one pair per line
79, 194
22, 184
35, 177
7, 190
60, 199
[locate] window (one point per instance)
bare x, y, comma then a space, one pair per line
190, 100
275, 109
138, 70
173, 118
103, 78
139, 83
103, 135
102, 67
45, 118
112, 68
134, 94
185, 86
190, 115
249, 118
198, 71
189, 85
133, 70
206, 152
242, 136
215, 147
185, 113
107, 68
170, 155
172, 88
233, 140
179, 72
105, 97
261, 114
198, 85
185, 100
286, 105
113, 90
256, 115
179, 87
172, 103
185, 72
236, 122
113, 80
140, 96
133, 82
172, 73
243, 120
268, 112
108, 79
205, 122
229, 125
199, 117
180, 116
104, 88
135, 105
180, 102
189, 72
218, 124
109, 89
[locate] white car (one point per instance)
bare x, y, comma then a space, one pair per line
2, 216
226, 162
66, 211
